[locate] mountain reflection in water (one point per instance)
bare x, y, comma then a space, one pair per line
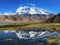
8, 37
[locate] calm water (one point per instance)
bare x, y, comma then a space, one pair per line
24, 37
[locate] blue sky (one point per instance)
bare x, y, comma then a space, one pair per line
12, 5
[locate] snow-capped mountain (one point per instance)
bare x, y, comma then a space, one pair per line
32, 10
29, 10
26, 14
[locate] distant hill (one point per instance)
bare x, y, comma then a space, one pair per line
55, 19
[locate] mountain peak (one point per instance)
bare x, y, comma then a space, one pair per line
31, 10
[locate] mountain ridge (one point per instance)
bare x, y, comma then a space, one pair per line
24, 18
54, 19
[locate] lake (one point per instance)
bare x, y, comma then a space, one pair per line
8, 37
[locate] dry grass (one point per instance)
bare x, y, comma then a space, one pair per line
26, 26
50, 41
